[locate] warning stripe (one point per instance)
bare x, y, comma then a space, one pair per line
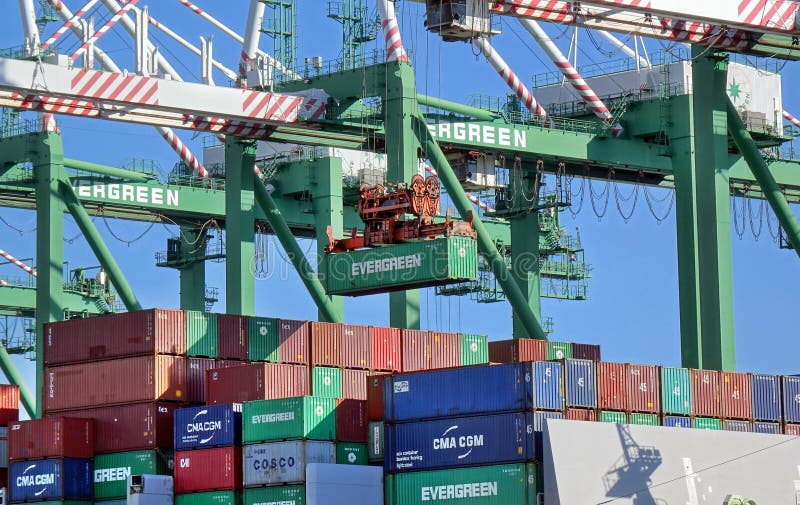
105, 28
113, 86
71, 22
17, 262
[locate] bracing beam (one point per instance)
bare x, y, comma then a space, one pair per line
14, 377
99, 247
295, 254
96, 168
438, 103
519, 302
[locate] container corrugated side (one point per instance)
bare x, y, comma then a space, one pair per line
517, 350
201, 334
458, 392
293, 341
415, 354
154, 331
643, 388
208, 470
351, 420
586, 351
548, 385
459, 442
611, 390
488, 485
791, 429
58, 437
209, 498
349, 453
579, 383
354, 384
262, 339
429, 350
644, 419
196, 369
120, 381
677, 421
50, 479
375, 396
326, 382
111, 471
232, 336
444, 349
9, 404
706, 393
790, 385
766, 391
208, 426
326, 343
4, 452
289, 418
574, 414
376, 441
283, 495
283, 462
676, 391
385, 349
259, 381
706, 423
765, 427
736, 400
613, 416
354, 351
559, 350
737, 425
540, 418
474, 349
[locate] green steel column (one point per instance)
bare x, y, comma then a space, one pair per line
400, 106
240, 158
48, 166
525, 265
14, 377
193, 274
328, 211
99, 247
772, 192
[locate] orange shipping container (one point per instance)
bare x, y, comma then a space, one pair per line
354, 384
293, 341
517, 350
581, 414
9, 404
354, 349
424, 350
612, 394
705, 393
643, 387
326, 341
736, 396
259, 381
385, 349
60, 437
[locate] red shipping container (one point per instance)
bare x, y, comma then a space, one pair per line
232, 336
517, 350
705, 393
326, 339
4, 477
791, 429
135, 427
423, 350
586, 351
154, 331
385, 349
354, 384
196, 378
611, 390
351, 421
208, 469
736, 396
643, 385
127, 380
259, 381
9, 404
58, 437
375, 396
354, 349
293, 341
581, 414
445, 349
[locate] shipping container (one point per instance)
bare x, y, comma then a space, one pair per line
9, 404
644, 419
610, 416
581, 414
548, 385
351, 420
611, 386
559, 350
326, 382
706, 393
142, 332
326, 343
354, 351
676, 392
677, 422
284, 462
210, 498
259, 381
232, 333
111, 471
348, 453
58, 437
474, 349
402, 266
706, 423
539, 421
429, 350
385, 349
208, 470
579, 383
50, 479
289, 418
208, 426
262, 339
119, 381
488, 485
354, 384
791, 398
293, 341
517, 350
278, 495
458, 392
643, 387
132, 427
377, 441
375, 403
764, 427
4, 454
459, 442
196, 369
792, 429
737, 398
766, 391
586, 351
201, 334
737, 425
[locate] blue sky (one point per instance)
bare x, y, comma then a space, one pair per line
632, 309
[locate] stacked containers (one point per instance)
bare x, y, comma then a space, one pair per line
580, 389
766, 400
430, 350
790, 387
9, 413
676, 396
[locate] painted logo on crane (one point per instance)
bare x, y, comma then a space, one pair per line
480, 133
133, 193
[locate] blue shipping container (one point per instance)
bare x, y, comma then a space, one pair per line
791, 398
457, 442
580, 383
539, 420
548, 385
206, 427
766, 397
772, 428
458, 392
50, 479
677, 422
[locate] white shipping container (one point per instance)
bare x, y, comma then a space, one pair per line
344, 485
283, 462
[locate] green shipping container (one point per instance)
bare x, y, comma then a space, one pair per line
303, 417
559, 350
484, 485
676, 392
706, 423
474, 349
111, 471
351, 454
201, 334
263, 339
607, 416
326, 382
644, 419
210, 498
376, 441
402, 266
278, 495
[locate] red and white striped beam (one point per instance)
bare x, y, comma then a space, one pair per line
17, 262
69, 23
510, 77
103, 29
791, 119
391, 32
48, 122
